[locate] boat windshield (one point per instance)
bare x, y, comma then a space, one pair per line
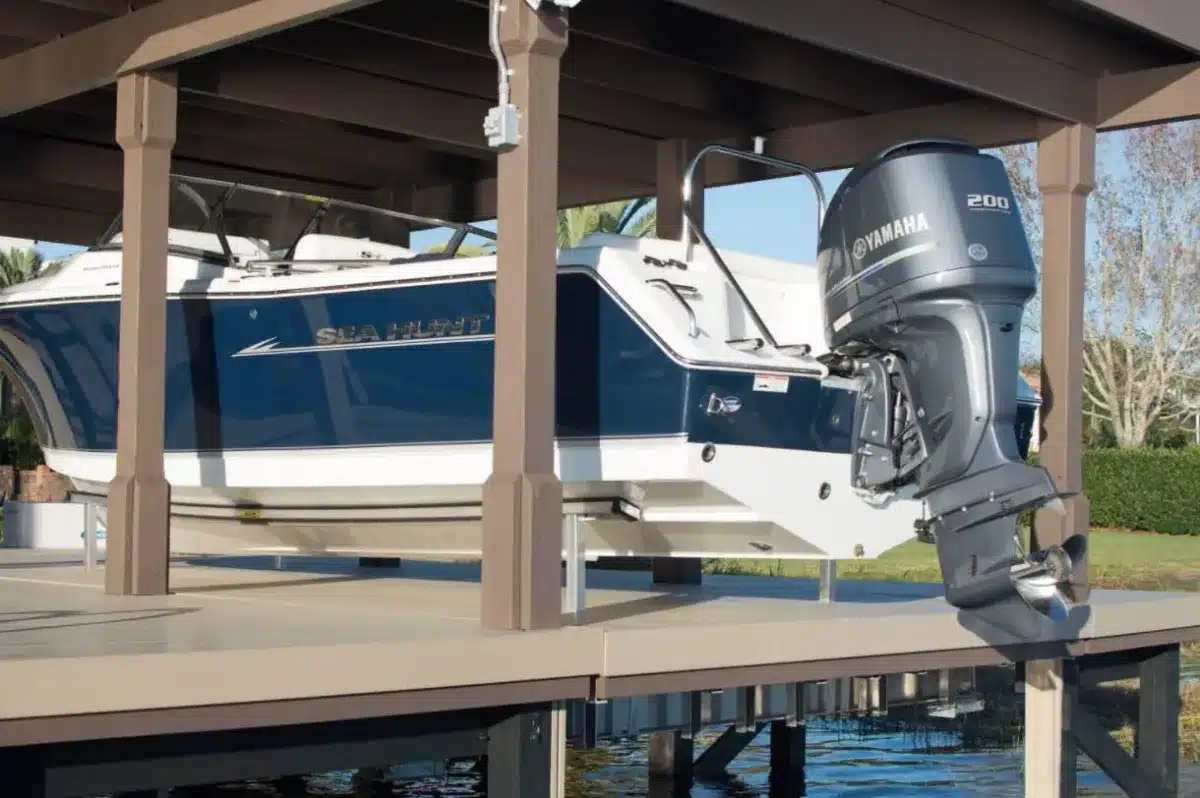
240, 224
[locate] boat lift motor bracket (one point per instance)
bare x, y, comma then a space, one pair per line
926, 270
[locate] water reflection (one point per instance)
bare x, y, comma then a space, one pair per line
842, 763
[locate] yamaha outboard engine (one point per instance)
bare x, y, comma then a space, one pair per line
926, 271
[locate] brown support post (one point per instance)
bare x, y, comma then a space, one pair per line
139, 497
673, 158
522, 499
1066, 176
1156, 741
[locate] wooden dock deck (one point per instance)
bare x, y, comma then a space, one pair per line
241, 645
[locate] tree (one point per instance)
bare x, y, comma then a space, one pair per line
16, 430
19, 265
1142, 312
574, 224
626, 217
1144, 322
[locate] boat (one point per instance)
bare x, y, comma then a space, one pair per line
330, 393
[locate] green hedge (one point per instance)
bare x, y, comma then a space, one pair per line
1145, 489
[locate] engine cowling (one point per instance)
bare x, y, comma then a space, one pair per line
926, 272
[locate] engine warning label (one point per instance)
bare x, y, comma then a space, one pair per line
772, 383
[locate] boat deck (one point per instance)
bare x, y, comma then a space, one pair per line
240, 643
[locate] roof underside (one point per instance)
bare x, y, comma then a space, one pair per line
387, 100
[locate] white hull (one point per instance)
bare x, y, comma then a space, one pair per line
397, 501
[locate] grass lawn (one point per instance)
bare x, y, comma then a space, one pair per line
1118, 560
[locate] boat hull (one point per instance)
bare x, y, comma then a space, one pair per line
354, 415
637, 497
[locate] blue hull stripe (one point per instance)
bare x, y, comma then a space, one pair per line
409, 364
307, 371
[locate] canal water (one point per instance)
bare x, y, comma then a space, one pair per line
841, 764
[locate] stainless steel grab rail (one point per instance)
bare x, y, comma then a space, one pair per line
754, 157
704, 239
673, 289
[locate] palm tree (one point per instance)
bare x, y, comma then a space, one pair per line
19, 440
574, 224
19, 265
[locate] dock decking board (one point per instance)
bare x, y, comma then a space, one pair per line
235, 647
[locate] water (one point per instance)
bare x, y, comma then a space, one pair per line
841, 764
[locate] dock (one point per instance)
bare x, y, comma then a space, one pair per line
248, 670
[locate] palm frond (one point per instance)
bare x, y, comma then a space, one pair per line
19, 265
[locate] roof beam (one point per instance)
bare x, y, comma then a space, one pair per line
151, 37
827, 145
388, 55
459, 26
201, 140
22, 219
453, 122
1176, 21
37, 159
1049, 30
841, 144
320, 145
1149, 97
750, 54
37, 22
876, 31
109, 8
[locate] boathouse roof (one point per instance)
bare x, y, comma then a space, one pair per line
384, 101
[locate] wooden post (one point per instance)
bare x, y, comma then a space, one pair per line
1157, 740
1051, 695
1066, 176
522, 499
139, 497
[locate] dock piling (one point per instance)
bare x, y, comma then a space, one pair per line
519, 755
575, 600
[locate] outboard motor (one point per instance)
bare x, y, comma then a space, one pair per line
925, 271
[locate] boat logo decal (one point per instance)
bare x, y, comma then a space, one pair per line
892, 231
368, 336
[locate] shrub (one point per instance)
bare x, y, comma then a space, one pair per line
1153, 489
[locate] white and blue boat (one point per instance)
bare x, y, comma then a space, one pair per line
333, 394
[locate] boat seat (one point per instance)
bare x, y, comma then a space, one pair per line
323, 247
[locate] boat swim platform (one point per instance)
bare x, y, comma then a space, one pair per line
241, 643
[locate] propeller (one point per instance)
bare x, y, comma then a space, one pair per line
1039, 580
